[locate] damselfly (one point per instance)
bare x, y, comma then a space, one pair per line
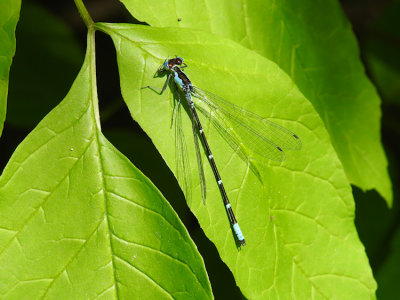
243, 130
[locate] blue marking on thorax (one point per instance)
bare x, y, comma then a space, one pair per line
178, 80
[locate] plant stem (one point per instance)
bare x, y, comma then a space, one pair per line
92, 67
92, 57
84, 14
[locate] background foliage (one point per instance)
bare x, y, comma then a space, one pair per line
373, 23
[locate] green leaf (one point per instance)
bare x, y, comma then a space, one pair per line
298, 224
79, 221
313, 43
9, 15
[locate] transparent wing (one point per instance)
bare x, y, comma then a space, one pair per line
230, 140
181, 156
199, 160
261, 136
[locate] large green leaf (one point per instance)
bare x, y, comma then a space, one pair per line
298, 224
313, 42
9, 15
79, 221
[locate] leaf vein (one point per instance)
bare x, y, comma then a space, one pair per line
145, 275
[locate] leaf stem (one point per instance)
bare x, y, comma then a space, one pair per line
93, 81
92, 58
84, 13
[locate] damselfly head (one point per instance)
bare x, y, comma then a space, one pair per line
170, 63
179, 60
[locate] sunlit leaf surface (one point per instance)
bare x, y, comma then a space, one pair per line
298, 223
79, 221
312, 42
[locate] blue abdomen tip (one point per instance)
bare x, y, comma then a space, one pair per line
238, 232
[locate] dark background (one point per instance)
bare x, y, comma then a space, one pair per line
57, 51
